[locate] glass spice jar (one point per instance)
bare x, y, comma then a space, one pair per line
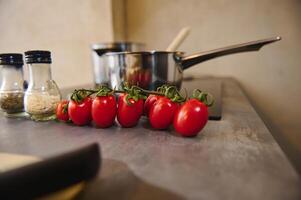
42, 94
11, 86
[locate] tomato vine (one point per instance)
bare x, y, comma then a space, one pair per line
134, 92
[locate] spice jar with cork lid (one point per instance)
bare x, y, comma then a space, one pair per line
11, 85
42, 94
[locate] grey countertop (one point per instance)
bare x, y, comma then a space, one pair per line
234, 158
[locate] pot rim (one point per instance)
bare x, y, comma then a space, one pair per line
152, 52
106, 45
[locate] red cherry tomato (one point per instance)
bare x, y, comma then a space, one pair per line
104, 110
191, 118
62, 111
129, 115
80, 113
161, 114
149, 102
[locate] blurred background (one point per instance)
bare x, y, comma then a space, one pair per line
271, 78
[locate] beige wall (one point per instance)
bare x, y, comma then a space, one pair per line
271, 77
66, 27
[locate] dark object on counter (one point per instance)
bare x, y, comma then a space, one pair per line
50, 175
151, 69
11, 86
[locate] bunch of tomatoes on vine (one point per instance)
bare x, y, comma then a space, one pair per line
163, 108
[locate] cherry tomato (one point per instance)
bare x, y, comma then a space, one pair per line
128, 115
80, 113
191, 118
62, 111
161, 114
104, 110
149, 102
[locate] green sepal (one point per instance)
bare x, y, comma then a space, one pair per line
79, 95
174, 95
65, 108
104, 90
133, 92
203, 97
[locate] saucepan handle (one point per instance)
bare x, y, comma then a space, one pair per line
191, 60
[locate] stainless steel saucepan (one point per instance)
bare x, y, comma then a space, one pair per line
151, 69
100, 71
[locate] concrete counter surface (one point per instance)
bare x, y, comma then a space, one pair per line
234, 158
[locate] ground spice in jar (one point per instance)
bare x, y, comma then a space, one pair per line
12, 102
41, 104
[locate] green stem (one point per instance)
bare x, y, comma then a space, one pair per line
203, 97
119, 91
87, 90
148, 91
135, 92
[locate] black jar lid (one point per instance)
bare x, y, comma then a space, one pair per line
15, 59
37, 56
